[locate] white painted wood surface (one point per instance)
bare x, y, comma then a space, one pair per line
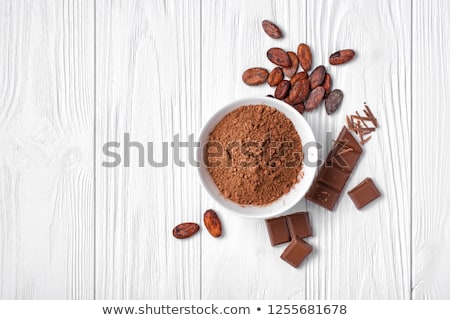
148, 85
366, 254
77, 74
430, 192
46, 141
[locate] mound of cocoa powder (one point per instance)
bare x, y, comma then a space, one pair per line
254, 155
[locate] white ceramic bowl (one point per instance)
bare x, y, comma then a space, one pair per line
296, 193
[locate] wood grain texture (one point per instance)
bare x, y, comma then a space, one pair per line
148, 76
162, 68
46, 142
365, 254
430, 176
242, 264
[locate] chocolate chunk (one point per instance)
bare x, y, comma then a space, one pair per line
364, 193
347, 140
333, 177
343, 157
278, 230
296, 252
299, 225
322, 195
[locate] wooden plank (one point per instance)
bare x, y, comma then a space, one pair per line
46, 138
242, 264
365, 254
148, 76
430, 192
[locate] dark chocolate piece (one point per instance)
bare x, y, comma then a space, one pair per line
364, 193
343, 157
346, 139
323, 196
299, 225
278, 230
334, 173
296, 252
333, 177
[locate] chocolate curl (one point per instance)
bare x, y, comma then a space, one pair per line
359, 124
369, 113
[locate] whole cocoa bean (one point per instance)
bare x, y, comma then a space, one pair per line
212, 223
282, 89
317, 76
255, 76
314, 99
327, 84
299, 92
279, 57
341, 56
304, 56
185, 230
271, 29
290, 71
299, 76
333, 101
275, 76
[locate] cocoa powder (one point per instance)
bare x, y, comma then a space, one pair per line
254, 155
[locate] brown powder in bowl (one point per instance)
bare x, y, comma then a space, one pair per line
254, 155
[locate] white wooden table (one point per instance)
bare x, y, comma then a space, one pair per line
77, 74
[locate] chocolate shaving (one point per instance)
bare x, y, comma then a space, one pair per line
363, 125
344, 150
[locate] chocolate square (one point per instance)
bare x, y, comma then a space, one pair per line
323, 196
364, 193
299, 225
278, 230
296, 252
343, 157
333, 177
346, 139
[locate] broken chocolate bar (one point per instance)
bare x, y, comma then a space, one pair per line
296, 252
333, 175
299, 225
283, 229
343, 157
364, 193
346, 139
278, 230
323, 196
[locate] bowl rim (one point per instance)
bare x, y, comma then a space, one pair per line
216, 117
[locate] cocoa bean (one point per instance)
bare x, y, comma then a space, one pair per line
299, 76
271, 29
279, 57
314, 99
275, 77
317, 76
282, 89
304, 56
212, 223
185, 230
299, 92
341, 56
333, 101
255, 76
290, 71
327, 84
